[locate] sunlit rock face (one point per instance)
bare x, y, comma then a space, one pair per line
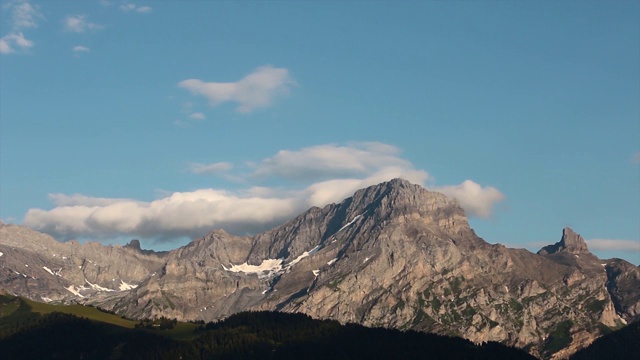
393, 255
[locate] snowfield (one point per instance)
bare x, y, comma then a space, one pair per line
267, 268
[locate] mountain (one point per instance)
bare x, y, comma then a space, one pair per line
393, 255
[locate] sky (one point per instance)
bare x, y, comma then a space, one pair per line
163, 120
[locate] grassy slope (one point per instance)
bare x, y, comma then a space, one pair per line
14, 310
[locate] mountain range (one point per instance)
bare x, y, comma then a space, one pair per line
393, 255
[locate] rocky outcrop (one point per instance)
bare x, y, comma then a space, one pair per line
393, 255
37, 266
571, 243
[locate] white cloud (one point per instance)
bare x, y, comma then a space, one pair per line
197, 116
475, 199
82, 200
215, 168
326, 161
23, 16
613, 245
11, 41
253, 208
256, 90
78, 24
80, 49
5, 48
130, 7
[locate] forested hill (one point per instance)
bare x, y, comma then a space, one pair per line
249, 335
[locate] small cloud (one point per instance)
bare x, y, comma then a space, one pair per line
23, 16
130, 7
635, 158
144, 9
80, 49
10, 42
78, 24
197, 116
258, 89
475, 199
215, 168
613, 245
181, 123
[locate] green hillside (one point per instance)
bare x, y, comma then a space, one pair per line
16, 312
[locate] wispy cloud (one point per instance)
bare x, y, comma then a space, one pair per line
131, 7
23, 16
330, 161
613, 245
252, 208
256, 90
215, 168
197, 116
79, 24
80, 49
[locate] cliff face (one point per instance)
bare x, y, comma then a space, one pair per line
393, 255
37, 266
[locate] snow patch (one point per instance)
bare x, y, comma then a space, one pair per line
267, 268
124, 286
304, 255
350, 222
97, 287
72, 289
270, 267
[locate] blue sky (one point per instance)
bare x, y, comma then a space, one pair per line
162, 120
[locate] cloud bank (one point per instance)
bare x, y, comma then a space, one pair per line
324, 174
257, 90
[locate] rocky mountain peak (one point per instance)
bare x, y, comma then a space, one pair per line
134, 244
403, 201
571, 242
